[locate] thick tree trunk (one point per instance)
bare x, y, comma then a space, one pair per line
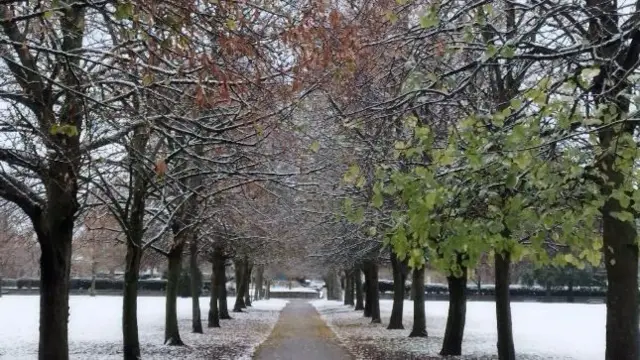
239, 272
506, 348
357, 281
171, 330
196, 322
348, 291
419, 316
399, 278
222, 288
374, 292
454, 332
367, 293
131, 342
258, 292
621, 260
55, 264
247, 283
213, 318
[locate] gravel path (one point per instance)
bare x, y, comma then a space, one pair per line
301, 334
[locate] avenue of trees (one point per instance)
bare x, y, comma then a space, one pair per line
321, 138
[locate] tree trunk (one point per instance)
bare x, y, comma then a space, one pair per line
267, 294
196, 322
621, 260
0, 286
247, 283
239, 270
213, 318
419, 315
171, 330
506, 348
55, 265
131, 342
367, 293
258, 292
92, 289
357, 281
454, 331
222, 288
374, 292
399, 278
348, 291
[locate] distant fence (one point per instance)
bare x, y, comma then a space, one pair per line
517, 292
293, 295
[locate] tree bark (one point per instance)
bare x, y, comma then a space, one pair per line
506, 348
399, 278
222, 288
374, 292
55, 265
368, 301
258, 292
454, 331
92, 289
621, 261
239, 272
267, 294
213, 318
348, 291
196, 322
131, 342
171, 330
419, 316
357, 280
247, 283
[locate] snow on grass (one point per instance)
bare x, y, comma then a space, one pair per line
95, 329
541, 331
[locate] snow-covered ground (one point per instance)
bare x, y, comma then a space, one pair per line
541, 330
95, 332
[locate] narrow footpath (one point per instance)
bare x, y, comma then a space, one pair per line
300, 334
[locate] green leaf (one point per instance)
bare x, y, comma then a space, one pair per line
511, 181
147, 79
124, 10
623, 216
315, 146
231, 24
430, 20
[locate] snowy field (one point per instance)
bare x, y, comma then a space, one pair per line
541, 331
95, 332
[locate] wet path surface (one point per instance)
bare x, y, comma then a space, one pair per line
301, 334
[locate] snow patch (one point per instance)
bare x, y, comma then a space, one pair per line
541, 330
95, 329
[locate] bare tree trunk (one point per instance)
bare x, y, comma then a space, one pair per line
92, 289
55, 265
268, 290
239, 270
399, 278
247, 282
348, 291
419, 315
506, 348
453, 335
171, 329
131, 342
214, 314
357, 280
222, 288
373, 293
368, 301
258, 292
196, 322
